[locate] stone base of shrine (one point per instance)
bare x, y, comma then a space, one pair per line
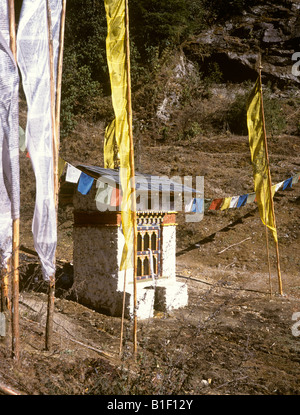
162, 296
144, 303
170, 295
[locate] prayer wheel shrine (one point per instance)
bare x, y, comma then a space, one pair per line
98, 245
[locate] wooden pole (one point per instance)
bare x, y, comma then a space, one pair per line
7, 390
270, 183
16, 222
51, 288
59, 69
12, 28
15, 292
52, 103
5, 298
267, 246
268, 255
123, 312
5, 306
132, 169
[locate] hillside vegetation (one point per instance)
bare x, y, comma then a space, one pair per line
187, 57
193, 64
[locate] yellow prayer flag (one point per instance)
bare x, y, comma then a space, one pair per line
118, 132
61, 166
226, 203
259, 157
110, 146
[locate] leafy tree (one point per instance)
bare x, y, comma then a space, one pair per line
157, 23
85, 74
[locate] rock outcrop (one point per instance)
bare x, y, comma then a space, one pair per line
271, 29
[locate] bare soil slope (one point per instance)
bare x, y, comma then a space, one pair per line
233, 338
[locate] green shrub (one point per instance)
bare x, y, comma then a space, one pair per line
79, 91
236, 116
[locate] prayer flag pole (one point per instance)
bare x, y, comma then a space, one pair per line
59, 69
132, 179
5, 273
123, 312
12, 29
51, 288
16, 222
269, 266
270, 182
55, 115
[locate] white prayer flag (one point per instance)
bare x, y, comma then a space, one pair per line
233, 202
72, 174
33, 60
9, 139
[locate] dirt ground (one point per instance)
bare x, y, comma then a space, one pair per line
233, 338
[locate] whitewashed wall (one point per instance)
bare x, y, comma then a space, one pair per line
169, 251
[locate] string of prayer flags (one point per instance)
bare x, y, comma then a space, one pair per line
239, 201
234, 202
242, 200
207, 203
85, 183
287, 183
104, 193
188, 206
276, 187
251, 198
197, 205
112, 196
226, 203
215, 204
296, 178
116, 197
72, 174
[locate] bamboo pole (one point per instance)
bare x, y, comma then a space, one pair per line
16, 222
12, 28
268, 255
123, 312
7, 390
52, 103
51, 288
132, 169
5, 298
55, 117
59, 69
270, 183
267, 247
15, 292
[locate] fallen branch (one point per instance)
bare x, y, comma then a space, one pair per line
216, 284
7, 390
101, 352
238, 243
